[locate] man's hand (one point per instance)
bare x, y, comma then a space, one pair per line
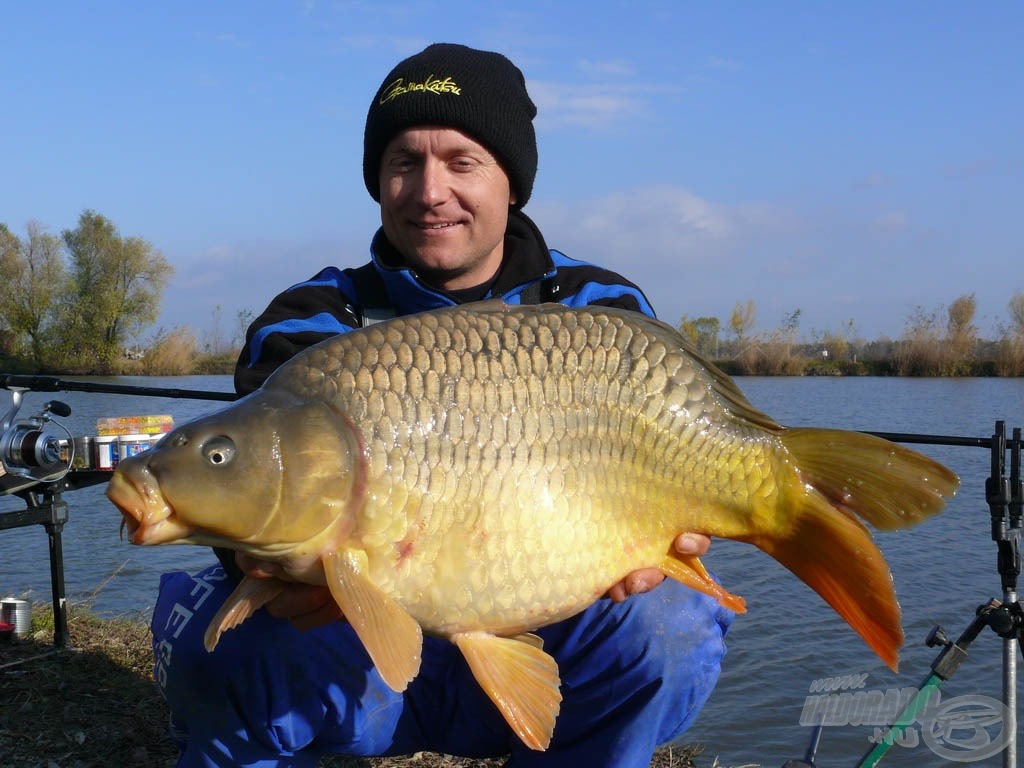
307, 606
638, 582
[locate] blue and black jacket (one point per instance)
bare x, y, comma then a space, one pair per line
338, 300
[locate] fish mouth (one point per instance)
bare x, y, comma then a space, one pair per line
146, 516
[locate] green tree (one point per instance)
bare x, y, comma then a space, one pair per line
116, 284
10, 248
32, 280
10, 245
702, 332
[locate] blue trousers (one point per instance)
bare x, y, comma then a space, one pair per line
634, 675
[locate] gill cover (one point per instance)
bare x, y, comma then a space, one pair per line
272, 469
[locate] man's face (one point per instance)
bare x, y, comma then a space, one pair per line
444, 203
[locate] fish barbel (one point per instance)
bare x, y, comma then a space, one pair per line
481, 471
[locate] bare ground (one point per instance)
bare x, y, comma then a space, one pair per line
95, 704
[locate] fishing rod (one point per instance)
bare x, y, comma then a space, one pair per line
52, 384
910, 437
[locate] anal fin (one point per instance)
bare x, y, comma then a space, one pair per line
690, 571
520, 678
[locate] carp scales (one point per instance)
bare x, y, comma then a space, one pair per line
481, 471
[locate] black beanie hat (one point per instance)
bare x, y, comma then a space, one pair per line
480, 93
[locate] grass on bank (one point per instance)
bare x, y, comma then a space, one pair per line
96, 705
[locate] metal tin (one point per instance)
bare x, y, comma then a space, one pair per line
18, 613
84, 453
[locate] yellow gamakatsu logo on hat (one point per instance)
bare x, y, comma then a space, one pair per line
430, 85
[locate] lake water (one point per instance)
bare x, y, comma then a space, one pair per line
943, 569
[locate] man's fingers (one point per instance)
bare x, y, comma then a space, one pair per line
692, 544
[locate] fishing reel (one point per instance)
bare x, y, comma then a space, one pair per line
30, 450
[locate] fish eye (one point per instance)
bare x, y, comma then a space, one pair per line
219, 451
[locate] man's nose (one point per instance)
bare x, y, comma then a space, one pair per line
432, 185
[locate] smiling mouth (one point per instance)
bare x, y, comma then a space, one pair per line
434, 227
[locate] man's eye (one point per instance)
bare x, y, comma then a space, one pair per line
401, 164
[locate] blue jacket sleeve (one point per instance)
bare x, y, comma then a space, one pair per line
297, 318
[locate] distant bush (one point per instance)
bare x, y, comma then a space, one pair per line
171, 354
215, 365
1009, 356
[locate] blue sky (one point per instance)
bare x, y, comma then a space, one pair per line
850, 160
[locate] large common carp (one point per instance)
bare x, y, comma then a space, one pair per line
485, 470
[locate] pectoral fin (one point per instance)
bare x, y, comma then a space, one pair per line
249, 596
390, 635
519, 678
691, 572
531, 639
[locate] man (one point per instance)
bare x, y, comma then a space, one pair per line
450, 155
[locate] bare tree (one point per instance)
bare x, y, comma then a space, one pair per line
1016, 307
962, 335
1010, 347
741, 322
243, 319
742, 319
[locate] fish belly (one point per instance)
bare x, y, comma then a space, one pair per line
507, 570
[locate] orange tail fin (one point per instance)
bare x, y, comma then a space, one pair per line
834, 555
886, 484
